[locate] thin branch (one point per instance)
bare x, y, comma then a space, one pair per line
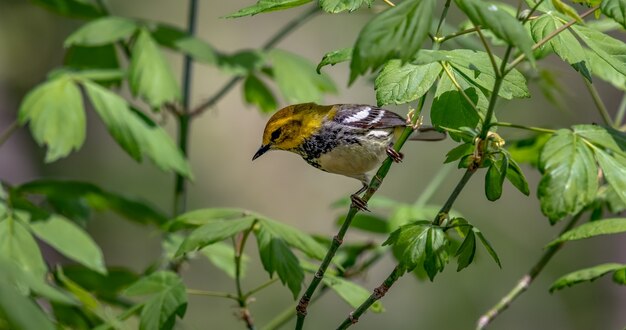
492, 59
217, 294
526, 280
532, 11
242, 299
442, 19
280, 35
389, 3
459, 33
6, 134
260, 287
528, 128
619, 117
597, 100
443, 212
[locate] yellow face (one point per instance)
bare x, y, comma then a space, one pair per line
288, 127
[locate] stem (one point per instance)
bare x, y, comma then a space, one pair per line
432, 186
526, 280
289, 312
241, 298
217, 294
528, 128
442, 19
8, 132
280, 35
389, 3
492, 59
532, 11
376, 295
443, 212
620, 112
459, 33
260, 287
597, 100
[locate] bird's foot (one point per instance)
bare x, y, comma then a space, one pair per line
358, 203
395, 155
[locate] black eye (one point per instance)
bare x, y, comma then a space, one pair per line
276, 134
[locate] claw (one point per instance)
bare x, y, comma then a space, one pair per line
395, 155
359, 203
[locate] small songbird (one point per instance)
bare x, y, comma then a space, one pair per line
346, 139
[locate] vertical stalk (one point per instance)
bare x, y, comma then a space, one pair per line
597, 100
242, 299
619, 117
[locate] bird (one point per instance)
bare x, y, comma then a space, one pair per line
345, 139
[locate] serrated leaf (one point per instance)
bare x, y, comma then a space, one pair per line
334, 57
71, 241
367, 222
106, 30
133, 134
603, 70
71, 8
338, 6
276, 257
592, 229
615, 9
398, 32
569, 181
488, 246
450, 109
466, 251
400, 83
611, 50
168, 300
213, 232
351, 292
614, 170
583, 275
221, 255
150, 75
20, 312
255, 92
264, 6
619, 276
494, 178
54, 111
17, 243
503, 25
297, 79
410, 243
436, 256
294, 238
515, 175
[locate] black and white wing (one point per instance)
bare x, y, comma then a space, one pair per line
367, 116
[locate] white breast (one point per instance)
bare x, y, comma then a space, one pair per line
354, 160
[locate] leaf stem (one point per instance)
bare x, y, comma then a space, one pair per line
459, 33
528, 128
260, 287
6, 134
242, 299
445, 209
526, 280
442, 19
619, 117
532, 11
597, 100
217, 294
492, 59
456, 84
389, 3
280, 35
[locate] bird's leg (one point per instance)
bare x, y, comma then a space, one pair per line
357, 201
395, 155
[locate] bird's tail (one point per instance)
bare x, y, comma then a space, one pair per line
427, 133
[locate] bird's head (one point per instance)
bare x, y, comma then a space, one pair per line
290, 126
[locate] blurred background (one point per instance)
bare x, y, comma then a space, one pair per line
280, 185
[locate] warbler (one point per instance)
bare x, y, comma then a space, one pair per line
346, 139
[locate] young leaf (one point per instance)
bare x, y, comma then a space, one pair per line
133, 134
436, 256
350, 292
487, 245
398, 32
502, 24
221, 255
592, 229
583, 275
527, 150
338, 6
255, 92
515, 175
263, 6
177, 39
334, 57
458, 152
410, 243
95, 58
466, 251
168, 300
569, 181
294, 238
494, 178
18, 244
400, 83
150, 76
71, 241
201, 217
20, 312
71, 8
297, 79
106, 30
367, 222
277, 257
611, 50
242, 63
615, 9
55, 112
213, 232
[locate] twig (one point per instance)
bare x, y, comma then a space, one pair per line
532, 11
597, 100
442, 18
280, 35
216, 294
260, 287
242, 299
389, 3
443, 213
528, 128
619, 117
526, 280
459, 33
6, 134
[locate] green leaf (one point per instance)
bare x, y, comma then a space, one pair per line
20, 312
277, 257
338, 6
213, 232
398, 32
614, 169
583, 275
264, 6
615, 9
334, 57
177, 39
294, 238
17, 243
569, 181
611, 50
169, 299
242, 63
451, 110
410, 242
150, 76
494, 178
133, 134
100, 75
459, 151
619, 276
100, 57
487, 245
564, 44
105, 30
221, 255
71, 241
592, 229
515, 175
603, 70
255, 92
503, 25
297, 79
26, 281
351, 292
527, 150
400, 83
55, 113
201, 217
71, 8
466, 251
367, 222
436, 256
105, 287
566, 9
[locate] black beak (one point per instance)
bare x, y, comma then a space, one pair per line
261, 151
